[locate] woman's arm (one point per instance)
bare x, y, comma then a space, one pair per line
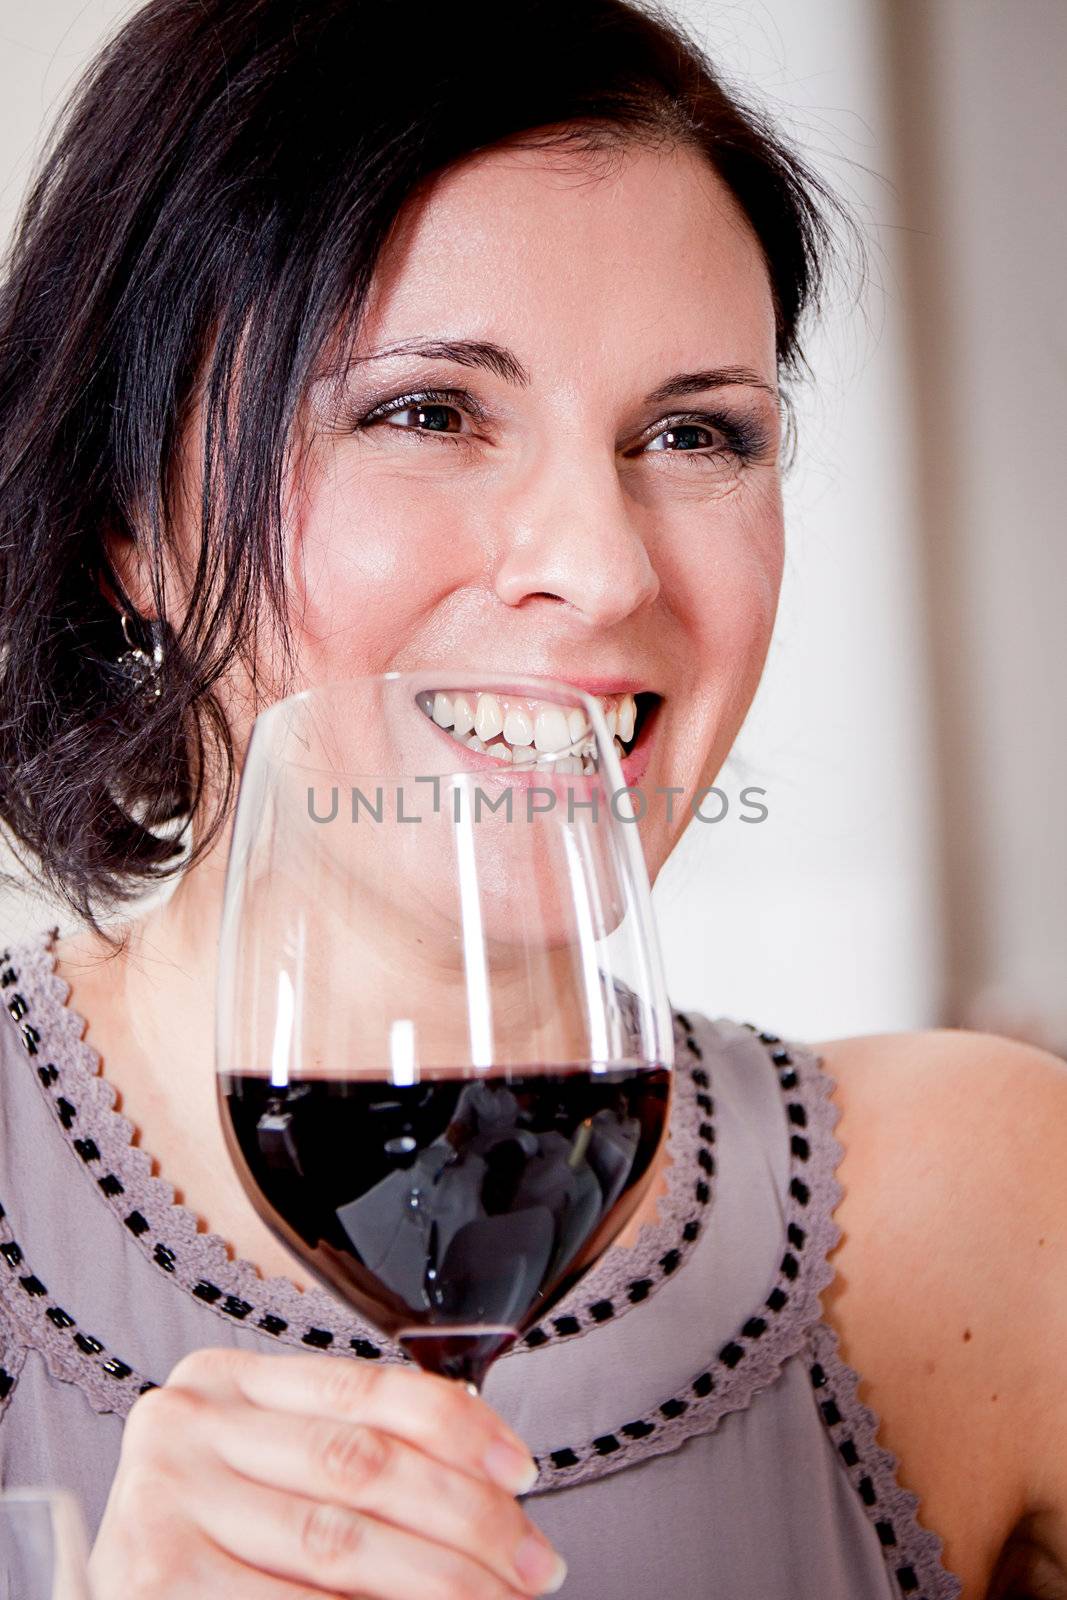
951, 1290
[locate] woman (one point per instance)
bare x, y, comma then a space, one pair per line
343, 339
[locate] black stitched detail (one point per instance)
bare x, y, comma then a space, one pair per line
797, 1115
17, 1007
848, 1452
731, 1354
164, 1257
564, 1458
136, 1223
788, 1079
30, 1038
673, 1408
796, 1236
754, 1327
706, 1161
116, 1368
800, 1147
886, 1532
670, 1261
535, 1337
705, 1103
11, 1253
602, 1311
565, 1326
800, 1191
234, 1306
33, 1286
703, 1385
146, 1386
703, 1193
790, 1266
65, 1111
638, 1290
818, 1376
769, 1038
7, 1383
7, 977
781, 1058
364, 1348
638, 1430
691, 1231
606, 1445
318, 1338
831, 1414
208, 1292
776, 1299
907, 1580
59, 1318
698, 1054
701, 1078
111, 1185
867, 1492
48, 1074
707, 1133
272, 1324
87, 1344
87, 1149
687, 1026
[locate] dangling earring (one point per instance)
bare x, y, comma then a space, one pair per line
141, 668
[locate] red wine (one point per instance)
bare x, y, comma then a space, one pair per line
452, 1213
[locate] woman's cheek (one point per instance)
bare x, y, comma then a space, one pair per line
371, 563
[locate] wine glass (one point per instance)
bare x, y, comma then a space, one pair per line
44, 1548
444, 1047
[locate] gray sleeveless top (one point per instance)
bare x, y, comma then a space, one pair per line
696, 1429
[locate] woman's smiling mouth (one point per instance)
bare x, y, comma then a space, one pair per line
541, 735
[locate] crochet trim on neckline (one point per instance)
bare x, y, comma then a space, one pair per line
68, 1071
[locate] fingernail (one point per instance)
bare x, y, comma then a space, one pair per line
538, 1565
514, 1470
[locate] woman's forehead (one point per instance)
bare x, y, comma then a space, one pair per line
554, 255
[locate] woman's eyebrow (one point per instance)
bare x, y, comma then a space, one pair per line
684, 383
465, 352
505, 364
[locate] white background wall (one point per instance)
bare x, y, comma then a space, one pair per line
843, 911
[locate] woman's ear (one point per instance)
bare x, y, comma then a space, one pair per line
125, 576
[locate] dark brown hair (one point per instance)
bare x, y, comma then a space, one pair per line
221, 183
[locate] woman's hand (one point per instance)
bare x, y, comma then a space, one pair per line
278, 1477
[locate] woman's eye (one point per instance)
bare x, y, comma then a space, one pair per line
685, 436
424, 417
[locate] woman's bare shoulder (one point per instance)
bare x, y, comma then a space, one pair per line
951, 1289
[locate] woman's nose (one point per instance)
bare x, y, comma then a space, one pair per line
572, 536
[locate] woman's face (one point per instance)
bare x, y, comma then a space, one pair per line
589, 490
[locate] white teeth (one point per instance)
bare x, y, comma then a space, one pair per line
518, 729
442, 710
576, 725
488, 720
462, 714
550, 729
504, 729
